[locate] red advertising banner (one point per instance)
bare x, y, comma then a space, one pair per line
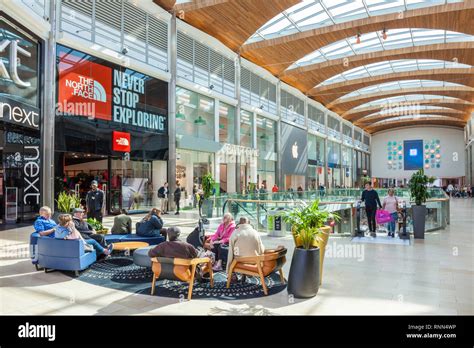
85, 88
121, 141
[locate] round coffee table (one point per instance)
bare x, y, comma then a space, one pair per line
124, 246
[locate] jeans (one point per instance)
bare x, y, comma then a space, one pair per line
392, 224
98, 248
97, 237
370, 211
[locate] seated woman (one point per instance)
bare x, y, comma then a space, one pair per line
44, 225
122, 223
67, 230
219, 241
151, 224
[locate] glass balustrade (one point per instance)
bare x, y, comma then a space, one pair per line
263, 209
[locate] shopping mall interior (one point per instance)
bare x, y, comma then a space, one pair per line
236, 157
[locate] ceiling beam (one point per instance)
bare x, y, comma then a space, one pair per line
415, 122
328, 93
231, 21
342, 105
455, 104
314, 74
166, 4
365, 121
279, 53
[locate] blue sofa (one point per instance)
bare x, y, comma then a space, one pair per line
63, 255
116, 238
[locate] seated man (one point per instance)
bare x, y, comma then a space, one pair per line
44, 225
245, 241
174, 247
86, 230
122, 223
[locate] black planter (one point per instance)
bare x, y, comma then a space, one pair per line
303, 280
419, 218
207, 208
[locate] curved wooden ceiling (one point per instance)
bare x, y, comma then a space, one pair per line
455, 104
414, 122
234, 21
278, 54
313, 74
328, 93
365, 121
230, 21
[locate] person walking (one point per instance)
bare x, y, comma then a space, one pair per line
163, 193
390, 204
177, 197
371, 199
95, 202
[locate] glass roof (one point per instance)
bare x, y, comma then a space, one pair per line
409, 98
393, 66
414, 117
311, 14
404, 109
390, 86
373, 42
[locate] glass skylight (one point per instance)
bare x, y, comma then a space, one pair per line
409, 98
400, 110
374, 42
393, 66
390, 86
311, 14
414, 117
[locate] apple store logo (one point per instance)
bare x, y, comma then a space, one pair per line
294, 150
413, 152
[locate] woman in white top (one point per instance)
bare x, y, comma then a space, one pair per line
390, 204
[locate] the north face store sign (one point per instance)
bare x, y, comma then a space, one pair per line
97, 89
85, 88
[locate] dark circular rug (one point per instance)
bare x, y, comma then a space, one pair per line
119, 272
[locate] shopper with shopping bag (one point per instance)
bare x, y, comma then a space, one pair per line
390, 205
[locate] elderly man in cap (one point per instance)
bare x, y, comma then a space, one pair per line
86, 230
174, 247
95, 202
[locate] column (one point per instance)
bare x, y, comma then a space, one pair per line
172, 107
217, 159
238, 62
279, 175
326, 151
49, 110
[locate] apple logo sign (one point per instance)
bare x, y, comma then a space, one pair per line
294, 150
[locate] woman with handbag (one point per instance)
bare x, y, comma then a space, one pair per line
390, 204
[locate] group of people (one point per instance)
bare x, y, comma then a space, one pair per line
71, 227
229, 241
457, 191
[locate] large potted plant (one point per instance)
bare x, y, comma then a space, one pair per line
66, 203
205, 204
418, 186
311, 236
97, 226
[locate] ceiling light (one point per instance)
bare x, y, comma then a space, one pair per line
384, 34
200, 121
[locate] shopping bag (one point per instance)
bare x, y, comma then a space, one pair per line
382, 216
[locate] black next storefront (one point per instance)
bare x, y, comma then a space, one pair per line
20, 121
111, 126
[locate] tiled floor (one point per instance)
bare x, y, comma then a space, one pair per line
431, 276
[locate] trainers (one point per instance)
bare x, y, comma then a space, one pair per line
176, 213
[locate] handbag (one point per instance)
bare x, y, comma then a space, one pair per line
382, 216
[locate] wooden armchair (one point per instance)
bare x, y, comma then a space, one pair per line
259, 266
179, 269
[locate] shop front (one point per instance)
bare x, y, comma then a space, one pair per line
334, 164
316, 166
111, 126
294, 156
267, 151
20, 122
